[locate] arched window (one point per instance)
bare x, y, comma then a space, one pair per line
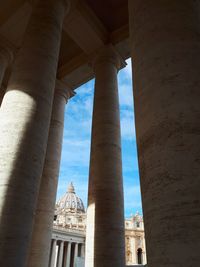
139, 255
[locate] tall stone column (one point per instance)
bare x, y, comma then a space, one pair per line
6, 57
75, 253
83, 250
42, 231
53, 253
105, 245
60, 254
165, 44
68, 258
24, 122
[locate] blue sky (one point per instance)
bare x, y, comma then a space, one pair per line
76, 142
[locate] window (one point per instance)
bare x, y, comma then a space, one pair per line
139, 256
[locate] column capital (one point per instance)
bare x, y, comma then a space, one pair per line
108, 53
62, 89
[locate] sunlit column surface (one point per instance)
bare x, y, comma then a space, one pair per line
60, 254
82, 250
24, 122
42, 231
68, 258
75, 254
165, 49
53, 253
105, 245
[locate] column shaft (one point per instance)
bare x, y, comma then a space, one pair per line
6, 57
165, 44
24, 122
60, 254
105, 215
68, 259
75, 253
53, 253
82, 250
42, 231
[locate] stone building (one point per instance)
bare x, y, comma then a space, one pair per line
135, 240
48, 48
70, 211
69, 233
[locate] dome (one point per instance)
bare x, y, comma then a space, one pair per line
70, 202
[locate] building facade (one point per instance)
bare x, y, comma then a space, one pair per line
69, 233
135, 240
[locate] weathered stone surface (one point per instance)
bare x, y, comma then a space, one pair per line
105, 245
42, 231
24, 122
165, 43
6, 57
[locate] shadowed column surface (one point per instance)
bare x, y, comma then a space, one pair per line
24, 122
165, 44
6, 57
42, 231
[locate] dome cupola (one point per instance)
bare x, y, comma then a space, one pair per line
70, 202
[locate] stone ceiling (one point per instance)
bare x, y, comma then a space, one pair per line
89, 25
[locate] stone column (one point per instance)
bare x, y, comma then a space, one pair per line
42, 231
165, 49
53, 253
24, 122
105, 244
68, 259
60, 254
82, 250
75, 253
6, 57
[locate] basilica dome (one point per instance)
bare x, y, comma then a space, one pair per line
70, 202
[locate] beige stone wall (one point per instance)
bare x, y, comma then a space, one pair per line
134, 239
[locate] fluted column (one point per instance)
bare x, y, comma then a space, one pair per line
24, 122
105, 215
53, 253
6, 57
75, 254
165, 49
60, 254
42, 231
68, 258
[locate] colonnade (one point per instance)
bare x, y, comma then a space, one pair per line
65, 253
165, 51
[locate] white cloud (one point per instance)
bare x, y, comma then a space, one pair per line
126, 96
127, 125
76, 152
